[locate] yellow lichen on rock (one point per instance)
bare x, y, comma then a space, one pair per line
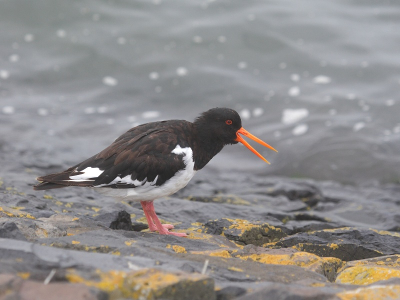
374, 292
362, 275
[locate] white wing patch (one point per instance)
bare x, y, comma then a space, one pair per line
145, 190
128, 180
87, 175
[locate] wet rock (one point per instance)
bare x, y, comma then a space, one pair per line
307, 193
308, 290
225, 199
326, 266
230, 292
123, 221
245, 232
10, 230
290, 292
344, 243
269, 236
149, 284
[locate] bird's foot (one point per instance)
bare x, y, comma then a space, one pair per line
166, 232
166, 226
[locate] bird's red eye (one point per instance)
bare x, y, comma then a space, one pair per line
229, 122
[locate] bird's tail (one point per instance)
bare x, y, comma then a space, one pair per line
47, 186
60, 180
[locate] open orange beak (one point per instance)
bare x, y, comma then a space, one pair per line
254, 138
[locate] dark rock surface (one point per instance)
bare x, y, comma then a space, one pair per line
348, 244
259, 238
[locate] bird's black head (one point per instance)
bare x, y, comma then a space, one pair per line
223, 126
220, 124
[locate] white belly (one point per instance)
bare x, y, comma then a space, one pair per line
149, 191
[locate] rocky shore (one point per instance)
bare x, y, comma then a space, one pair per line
249, 238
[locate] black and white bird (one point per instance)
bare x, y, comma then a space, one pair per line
155, 160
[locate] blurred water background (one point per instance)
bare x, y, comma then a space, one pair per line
318, 80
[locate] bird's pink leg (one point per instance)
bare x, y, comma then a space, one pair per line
154, 222
145, 205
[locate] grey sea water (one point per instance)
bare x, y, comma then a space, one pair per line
318, 80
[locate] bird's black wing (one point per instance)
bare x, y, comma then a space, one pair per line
144, 154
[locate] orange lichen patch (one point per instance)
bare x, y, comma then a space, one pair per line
75, 219
235, 269
333, 246
47, 197
75, 242
14, 213
24, 275
143, 284
362, 275
130, 242
331, 230
392, 261
221, 253
300, 259
242, 225
18, 207
179, 249
96, 209
318, 284
217, 253
383, 232
194, 235
372, 293
41, 232
197, 224
176, 248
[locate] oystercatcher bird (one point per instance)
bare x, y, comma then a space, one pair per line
155, 160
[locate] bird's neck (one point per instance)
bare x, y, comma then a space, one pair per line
205, 147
